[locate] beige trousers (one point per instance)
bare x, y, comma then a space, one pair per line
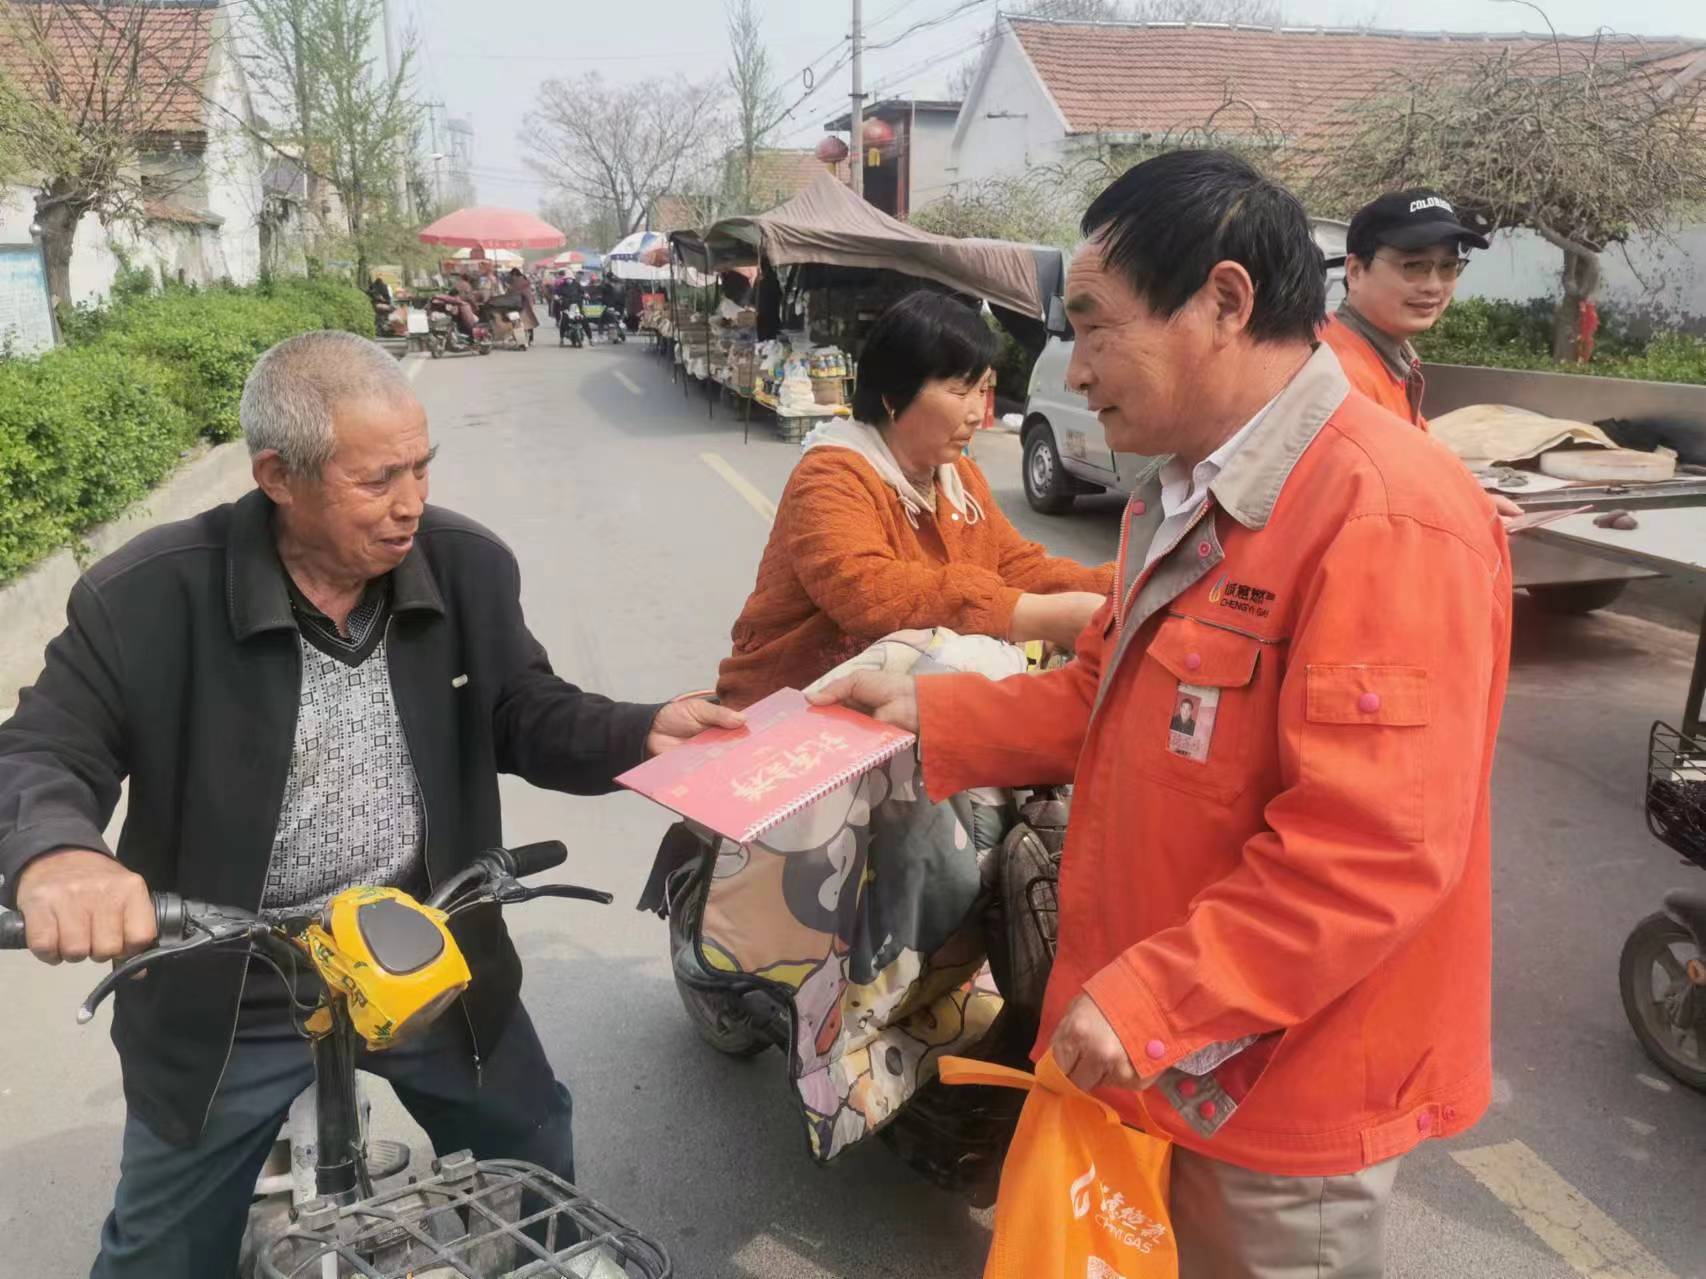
1231, 1223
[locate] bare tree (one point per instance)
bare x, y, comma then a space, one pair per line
365, 120
1584, 142
278, 34
756, 100
94, 90
622, 146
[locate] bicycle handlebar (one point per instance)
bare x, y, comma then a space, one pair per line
172, 917
530, 859
175, 917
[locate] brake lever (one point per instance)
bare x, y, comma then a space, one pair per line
568, 890
237, 931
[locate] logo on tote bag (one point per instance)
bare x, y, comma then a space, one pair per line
1080, 1191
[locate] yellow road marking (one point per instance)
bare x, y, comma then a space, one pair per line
757, 501
1589, 1241
628, 382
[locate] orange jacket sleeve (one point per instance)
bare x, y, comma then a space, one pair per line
1027, 565
834, 535
985, 746
1386, 727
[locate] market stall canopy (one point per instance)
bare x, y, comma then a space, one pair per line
487, 227
826, 223
634, 245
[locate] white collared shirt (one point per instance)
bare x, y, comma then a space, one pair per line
1184, 494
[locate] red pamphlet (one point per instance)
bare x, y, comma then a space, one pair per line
741, 782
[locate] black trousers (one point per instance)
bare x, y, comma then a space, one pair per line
181, 1211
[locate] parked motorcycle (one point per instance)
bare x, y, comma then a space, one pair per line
1662, 971
445, 336
482, 1219
503, 315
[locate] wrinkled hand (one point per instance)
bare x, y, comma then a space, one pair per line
1088, 1051
80, 904
680, 722
893, 699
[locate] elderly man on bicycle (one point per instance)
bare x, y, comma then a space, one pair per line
313, 687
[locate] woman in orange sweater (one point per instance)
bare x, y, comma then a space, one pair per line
886, 525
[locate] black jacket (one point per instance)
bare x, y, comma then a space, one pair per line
180, 668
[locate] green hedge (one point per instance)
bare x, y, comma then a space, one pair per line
1518, 335
88, 428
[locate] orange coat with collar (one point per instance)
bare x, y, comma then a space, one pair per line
1322, 879
845, 567
1367, 372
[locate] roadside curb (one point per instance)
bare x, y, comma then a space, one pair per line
34, 605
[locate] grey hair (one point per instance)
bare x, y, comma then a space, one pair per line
289, 395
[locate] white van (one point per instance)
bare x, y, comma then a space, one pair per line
1065, 452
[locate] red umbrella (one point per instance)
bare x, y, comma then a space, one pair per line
485, 227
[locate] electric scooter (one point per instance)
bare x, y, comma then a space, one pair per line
385, 966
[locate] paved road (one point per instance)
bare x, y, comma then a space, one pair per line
637, 552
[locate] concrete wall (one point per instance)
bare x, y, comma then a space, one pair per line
1032, 134
232, 169
1667, 280
932, 152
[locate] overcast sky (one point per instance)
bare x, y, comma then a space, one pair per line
490, 71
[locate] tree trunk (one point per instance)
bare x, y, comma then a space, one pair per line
1581, 282
58, 219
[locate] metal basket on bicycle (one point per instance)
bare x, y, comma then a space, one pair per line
473, 1219
1676, 791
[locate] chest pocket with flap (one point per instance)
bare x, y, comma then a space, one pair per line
1186, 651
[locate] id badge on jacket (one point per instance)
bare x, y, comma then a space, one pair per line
1192, 726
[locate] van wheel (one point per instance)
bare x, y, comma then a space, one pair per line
1575, 597
1048, 488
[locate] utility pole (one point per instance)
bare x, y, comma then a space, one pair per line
402, 181
856, 117
433, 108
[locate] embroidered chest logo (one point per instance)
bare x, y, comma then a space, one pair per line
1241, 598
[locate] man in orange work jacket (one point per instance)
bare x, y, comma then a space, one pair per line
1403, 254
1274, 928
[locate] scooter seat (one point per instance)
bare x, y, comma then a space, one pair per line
1689, 909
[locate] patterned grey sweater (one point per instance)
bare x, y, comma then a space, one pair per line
352, 813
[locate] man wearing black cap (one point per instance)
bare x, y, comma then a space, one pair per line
1405, 251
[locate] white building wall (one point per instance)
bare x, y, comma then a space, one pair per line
232, 168
932, 152
1032, 134
1666, 280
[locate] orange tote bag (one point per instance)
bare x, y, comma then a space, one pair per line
1082, 1196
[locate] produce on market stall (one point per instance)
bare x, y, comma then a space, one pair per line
825, 265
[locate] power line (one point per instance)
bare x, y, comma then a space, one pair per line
964, 7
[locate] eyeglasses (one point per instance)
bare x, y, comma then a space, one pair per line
1419, 270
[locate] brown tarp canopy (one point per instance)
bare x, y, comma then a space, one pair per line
827, 224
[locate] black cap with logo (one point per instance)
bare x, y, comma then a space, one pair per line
1410, 219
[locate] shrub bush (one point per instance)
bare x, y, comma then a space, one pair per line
88, 428
1518, 335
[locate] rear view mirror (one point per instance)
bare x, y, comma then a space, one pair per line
1058, 324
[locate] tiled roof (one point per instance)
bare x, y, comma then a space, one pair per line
89, 46
1161, 78
166, 211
